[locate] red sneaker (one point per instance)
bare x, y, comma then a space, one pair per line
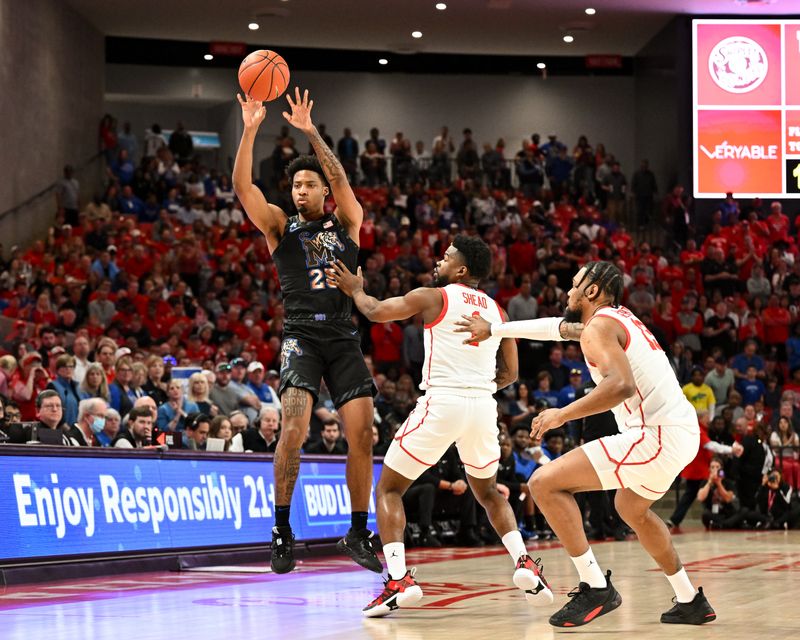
396, 593
528, 576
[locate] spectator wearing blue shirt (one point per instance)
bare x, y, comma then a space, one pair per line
123, 168
553, 445
66, 388
110, 428
543, 391
129, 202
567, 394
172, 414
525, 465
750, 387
127, 141
104, 266
572, 360
793, 348
265, 393
747, 358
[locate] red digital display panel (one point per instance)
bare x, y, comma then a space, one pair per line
746, 102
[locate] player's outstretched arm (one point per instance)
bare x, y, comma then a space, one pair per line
539, 329
399, 308
348, 210
269, 218
600, 343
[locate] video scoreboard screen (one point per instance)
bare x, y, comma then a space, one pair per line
746, 108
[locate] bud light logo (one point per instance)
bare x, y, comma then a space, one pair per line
738, 64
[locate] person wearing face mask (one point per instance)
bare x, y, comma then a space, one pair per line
91, 421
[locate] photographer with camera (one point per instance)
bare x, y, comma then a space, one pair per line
721, 507
774, 508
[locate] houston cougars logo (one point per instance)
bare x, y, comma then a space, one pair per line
289, 347
320, 247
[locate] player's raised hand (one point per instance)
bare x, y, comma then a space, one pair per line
570, 330
300, 117
340, 276
545, 421
478, 328
253, 111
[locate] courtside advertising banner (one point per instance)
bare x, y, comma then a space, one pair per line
64, 506
746, 108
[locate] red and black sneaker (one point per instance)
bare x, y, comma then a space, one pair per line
698, 611
586, 604
396, 593
529, 577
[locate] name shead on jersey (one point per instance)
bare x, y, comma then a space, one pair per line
465, 369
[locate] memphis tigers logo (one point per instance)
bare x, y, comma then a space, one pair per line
320, 247
289, 347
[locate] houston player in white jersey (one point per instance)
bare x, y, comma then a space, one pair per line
659, 437
459, 380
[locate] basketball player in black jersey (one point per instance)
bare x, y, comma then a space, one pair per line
319, 339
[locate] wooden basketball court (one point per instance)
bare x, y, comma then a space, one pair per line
751, 578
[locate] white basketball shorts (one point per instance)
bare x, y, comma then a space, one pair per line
645, 460
440, 419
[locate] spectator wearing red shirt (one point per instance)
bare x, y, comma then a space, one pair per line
387, 342
691, 256
522, 255
390, 249
776, 321
777, 225
27, 381
506, 290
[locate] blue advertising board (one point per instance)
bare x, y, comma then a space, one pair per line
69, 505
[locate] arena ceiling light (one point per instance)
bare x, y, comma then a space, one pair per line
590, 11
441, 6
416, 34
208, 56
541, 65
253, 26
568, 39
383, 61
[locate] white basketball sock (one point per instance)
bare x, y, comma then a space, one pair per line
395, 554
514, 544
684, 590
589, 571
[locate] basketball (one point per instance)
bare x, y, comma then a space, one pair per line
264, 75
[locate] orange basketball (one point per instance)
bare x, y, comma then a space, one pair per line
264, 75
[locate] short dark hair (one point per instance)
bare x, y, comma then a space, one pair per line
607, 277
325, 423
44, 395
476, 255
306, 163
139, 412
194, 420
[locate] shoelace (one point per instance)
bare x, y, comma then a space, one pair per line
573, 595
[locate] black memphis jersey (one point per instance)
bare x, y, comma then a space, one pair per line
302, 255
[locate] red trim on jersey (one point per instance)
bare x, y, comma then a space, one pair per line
591, 364
622, 324
440, 317
407, 433
661, 493
627, 408
467, 464
622, 463
430, 358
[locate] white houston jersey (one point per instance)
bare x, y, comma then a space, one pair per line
658, 400
467, 369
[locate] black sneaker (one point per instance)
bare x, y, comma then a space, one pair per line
586, 604
282, 558
358, 545
698, 611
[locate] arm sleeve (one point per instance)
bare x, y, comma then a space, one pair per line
718, 448
539, 329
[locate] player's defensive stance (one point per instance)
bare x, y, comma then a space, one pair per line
459, 380
659, 437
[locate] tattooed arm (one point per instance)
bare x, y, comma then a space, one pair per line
348, 210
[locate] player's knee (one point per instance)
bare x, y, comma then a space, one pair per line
540, 483
292, 435
632, 514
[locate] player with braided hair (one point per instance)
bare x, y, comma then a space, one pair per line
659, 435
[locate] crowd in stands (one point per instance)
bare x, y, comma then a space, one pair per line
162, 270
